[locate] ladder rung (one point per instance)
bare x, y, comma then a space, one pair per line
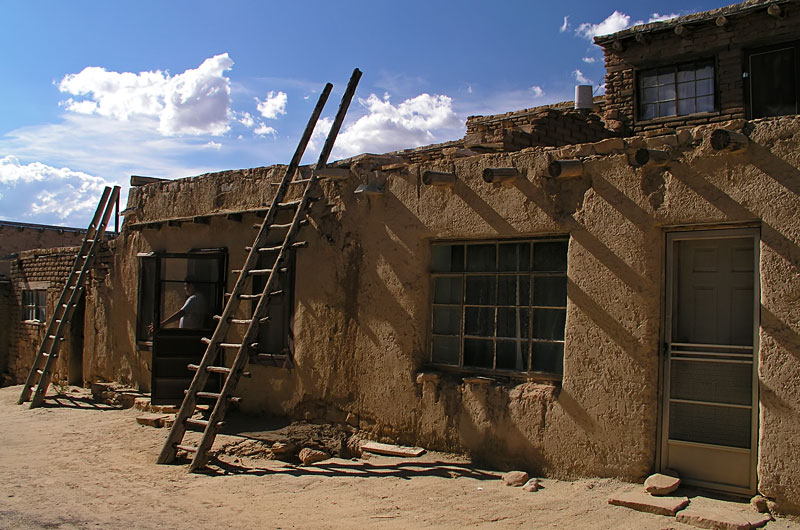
206, 340
215, 395
299, 244
39, 371
277, 293
187, 448
249, 296
196, 422
299, 181
211, 369
289, 204
234, 320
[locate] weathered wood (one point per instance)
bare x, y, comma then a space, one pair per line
438, 178
498, 175
392, 450
138, 180
775, 11
565, 168
333, 173
654, 157
730, 140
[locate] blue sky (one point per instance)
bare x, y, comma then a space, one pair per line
93, 92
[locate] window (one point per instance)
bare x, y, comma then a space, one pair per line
34, 304
274, 337
676, 90
499, 306
773, 81
169, 282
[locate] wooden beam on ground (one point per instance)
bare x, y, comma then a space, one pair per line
391, 450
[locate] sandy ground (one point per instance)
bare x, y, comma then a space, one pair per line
76, 464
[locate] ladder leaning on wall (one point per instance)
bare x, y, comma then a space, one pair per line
277, 256
41, 373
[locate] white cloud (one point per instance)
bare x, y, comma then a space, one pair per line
421, 120
216, 146
194, 102
263, 130
582, 79
589, 60
273, 106
616, 21
537, 91
565, 26
66, 193
246, 119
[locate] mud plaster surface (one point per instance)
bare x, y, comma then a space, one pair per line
76, 464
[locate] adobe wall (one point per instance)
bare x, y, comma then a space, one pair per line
362, 293
704, 40
6, 296
15, 237
41, 269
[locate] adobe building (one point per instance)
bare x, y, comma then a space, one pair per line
608, 291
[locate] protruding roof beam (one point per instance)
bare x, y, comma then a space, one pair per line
730, 140
438, 178
497, 175
654, 157
565, 168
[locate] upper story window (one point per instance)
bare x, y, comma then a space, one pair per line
34, 304
772, 78
677, 90
500, 306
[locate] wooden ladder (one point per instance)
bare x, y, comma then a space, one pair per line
42, 370
278, 256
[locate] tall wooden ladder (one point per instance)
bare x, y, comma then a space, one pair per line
277, 255
41, 373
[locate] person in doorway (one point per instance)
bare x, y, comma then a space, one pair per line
192, 315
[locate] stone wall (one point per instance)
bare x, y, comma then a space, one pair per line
15, 237
6, 295
745, 28
362, 297
42, 269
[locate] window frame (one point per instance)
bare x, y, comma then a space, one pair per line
30, 308
675, 66
528, 372
747, 74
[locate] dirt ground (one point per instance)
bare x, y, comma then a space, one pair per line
75, 464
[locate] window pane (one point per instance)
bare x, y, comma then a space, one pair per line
666, 76
666, 109
686, 106
666, 92
649, 111
447, 258
447, 320
513, 323
479, 321
480, 290
686, 90
478, 353
512, 355
686, 72
513, 290
705, 104
649, 78
550, 291
773, 83
549, 323
705, 71
481, 258
514, 257
649, 95
548, 357
41, 297
705, 87
550, 257
447, 290
445, 350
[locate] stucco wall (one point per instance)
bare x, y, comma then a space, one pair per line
362, 295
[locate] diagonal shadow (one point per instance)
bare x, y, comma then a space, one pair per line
736, 212
599, 250
622, 203
62, 401
788, 338
482, 208
775, 167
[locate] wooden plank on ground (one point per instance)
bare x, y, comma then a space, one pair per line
391, 450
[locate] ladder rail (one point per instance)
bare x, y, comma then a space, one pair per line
59, 313
77, 292
212, 427
212, 352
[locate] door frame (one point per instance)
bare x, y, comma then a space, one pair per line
669, 296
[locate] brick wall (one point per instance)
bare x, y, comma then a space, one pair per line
745, 29
41, 268
552, 125
5, 324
